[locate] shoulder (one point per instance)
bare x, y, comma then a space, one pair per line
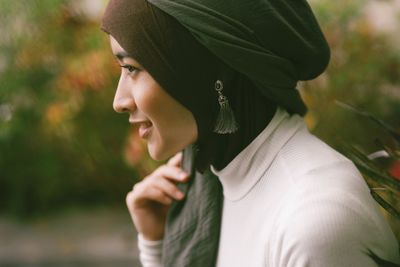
330, 223
328, 217
312, 165
305, 153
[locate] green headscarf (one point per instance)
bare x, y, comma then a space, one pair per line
275, 43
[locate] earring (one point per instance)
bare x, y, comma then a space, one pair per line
226, 122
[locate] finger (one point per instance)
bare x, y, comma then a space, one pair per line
142, 194
175, 160
158, 195
168, 188
170, 172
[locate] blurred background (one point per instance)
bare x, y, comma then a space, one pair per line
67, 159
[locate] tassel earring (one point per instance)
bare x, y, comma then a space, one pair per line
226, 122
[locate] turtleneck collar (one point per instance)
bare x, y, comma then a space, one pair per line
245, 170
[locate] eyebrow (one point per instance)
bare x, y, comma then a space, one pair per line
121, 55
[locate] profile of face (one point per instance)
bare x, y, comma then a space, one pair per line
166, 124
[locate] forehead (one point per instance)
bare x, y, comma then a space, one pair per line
116, 47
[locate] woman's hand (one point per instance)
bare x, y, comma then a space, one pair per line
150, 199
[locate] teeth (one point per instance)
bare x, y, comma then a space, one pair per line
146, 124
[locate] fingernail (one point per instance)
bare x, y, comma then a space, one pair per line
179, 194
182, 175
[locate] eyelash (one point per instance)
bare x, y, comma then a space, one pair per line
130, 68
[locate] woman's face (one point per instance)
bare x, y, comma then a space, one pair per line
167, 125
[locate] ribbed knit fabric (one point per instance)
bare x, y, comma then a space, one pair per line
150, 251
292, 201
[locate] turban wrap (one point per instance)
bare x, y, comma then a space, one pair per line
273, 42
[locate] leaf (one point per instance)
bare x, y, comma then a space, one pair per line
386, 127
370, 169
389, 208
393, 153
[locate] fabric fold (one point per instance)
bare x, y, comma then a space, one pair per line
274, 43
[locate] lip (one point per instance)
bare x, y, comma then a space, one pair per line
138, 121
144, 130
145, 127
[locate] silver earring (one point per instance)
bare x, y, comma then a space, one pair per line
226, 122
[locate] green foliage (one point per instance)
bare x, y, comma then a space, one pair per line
61, 143
364, 73
378, 174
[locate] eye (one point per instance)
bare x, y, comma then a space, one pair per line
130, 68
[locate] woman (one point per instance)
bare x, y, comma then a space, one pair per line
216, 80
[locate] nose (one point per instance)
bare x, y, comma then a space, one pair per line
123, 99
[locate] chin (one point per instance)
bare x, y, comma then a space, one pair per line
158, 157
158, 154
162, 153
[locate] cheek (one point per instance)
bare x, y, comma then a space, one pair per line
154, 107
148, 105
171, 137
163, 143
177, 133
147, 98
173, 125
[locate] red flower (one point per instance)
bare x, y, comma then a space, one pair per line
394, 170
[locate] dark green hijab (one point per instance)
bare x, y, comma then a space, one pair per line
275, 43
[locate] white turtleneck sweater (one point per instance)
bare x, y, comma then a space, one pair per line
292, 201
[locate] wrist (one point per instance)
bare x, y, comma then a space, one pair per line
149, 240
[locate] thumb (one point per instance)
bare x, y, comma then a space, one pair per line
175, 160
